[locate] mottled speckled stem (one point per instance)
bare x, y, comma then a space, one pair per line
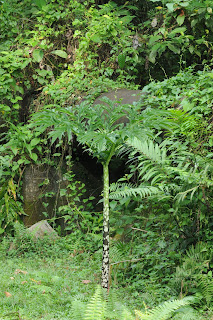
105, 260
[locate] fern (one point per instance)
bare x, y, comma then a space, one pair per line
106, 306
205, 285
96, 309
126, 315
125, 190
77, 309
164, 311
194, 273
167, 167
186, 313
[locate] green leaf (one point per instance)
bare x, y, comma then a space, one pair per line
60, 53
194, 22
40, 3
121, 60
14, 150
154, 39
34, 156
95, 38
126, 19
173, 48
191, 49
170, 6
210, 74
180, 30
114, 32
38, 55
152, 56
186, 105
180, 19
34, 142
4, 108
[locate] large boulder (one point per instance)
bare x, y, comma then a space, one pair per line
126, 96
42, 228
39, 181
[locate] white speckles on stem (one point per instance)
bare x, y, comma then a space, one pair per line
106, 229
105, 260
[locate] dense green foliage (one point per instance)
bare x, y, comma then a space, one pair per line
56, 57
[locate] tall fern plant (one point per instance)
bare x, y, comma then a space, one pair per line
102, 129
166, 169
108, 307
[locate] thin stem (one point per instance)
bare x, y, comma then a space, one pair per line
105, 260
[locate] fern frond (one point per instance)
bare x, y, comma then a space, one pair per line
125, 190
153, 163
77, 309
149, 150
96, 308
186, 313
164, 311
126, 315
206, 287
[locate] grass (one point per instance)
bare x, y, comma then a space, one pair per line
51, 279
44, 288
43, 284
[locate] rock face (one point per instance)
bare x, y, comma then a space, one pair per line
42, 228
38, 181
41, 190
126, 96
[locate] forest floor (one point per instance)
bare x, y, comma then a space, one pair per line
32, 287
52, 281
44, 288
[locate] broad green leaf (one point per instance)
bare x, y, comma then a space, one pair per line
194, 22
180, 30
4, 108
60, 53
34, 156
114, 32
40, 3
95, 38
210, 74
191, 49
180, 19
173, 48
155, 50
186, 105
121, 60
126, 19
152, 56
184, 4
14, 150
197, 53
34, 142
38, 55
154, 39
25, 63
170, 6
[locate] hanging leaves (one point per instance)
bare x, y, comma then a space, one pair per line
38, 55
40, 3
121, 60
180, 19
60, 53
95, 38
